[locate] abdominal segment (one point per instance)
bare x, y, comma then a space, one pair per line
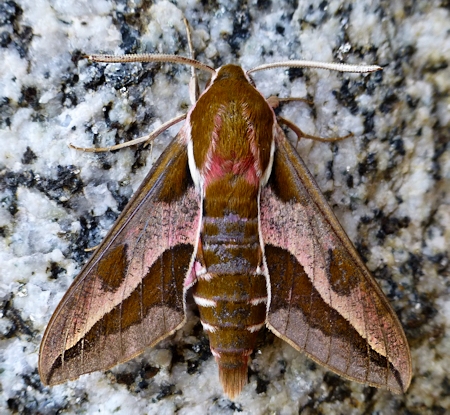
231, 294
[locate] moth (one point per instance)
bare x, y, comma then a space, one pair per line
230, 214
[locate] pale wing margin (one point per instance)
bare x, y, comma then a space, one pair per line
130, 294
323, 299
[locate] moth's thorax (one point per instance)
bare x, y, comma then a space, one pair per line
232, 132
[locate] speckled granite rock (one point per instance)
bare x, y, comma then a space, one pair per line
389, 184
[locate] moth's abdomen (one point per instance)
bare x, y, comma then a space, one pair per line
231, 294
232, 150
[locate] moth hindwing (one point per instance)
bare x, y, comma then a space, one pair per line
231, 213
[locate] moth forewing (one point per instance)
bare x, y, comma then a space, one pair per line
125, 298
231, 211
325, 301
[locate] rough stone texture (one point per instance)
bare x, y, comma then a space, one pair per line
389, 184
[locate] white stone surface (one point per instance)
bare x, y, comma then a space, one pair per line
49, 98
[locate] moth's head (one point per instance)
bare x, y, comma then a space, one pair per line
232, 72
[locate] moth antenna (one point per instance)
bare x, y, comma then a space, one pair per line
340, 67
151, 57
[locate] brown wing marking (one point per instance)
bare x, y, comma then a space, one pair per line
130, 294
141, 320
323, 299
299, 315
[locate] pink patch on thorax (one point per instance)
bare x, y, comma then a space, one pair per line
218, 167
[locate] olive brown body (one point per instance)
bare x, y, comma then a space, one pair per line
232, 150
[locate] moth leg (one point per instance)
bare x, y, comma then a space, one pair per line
146, 138
300, 134
275, 101
194, 90
92, 248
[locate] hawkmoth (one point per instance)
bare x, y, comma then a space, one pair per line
230, 214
